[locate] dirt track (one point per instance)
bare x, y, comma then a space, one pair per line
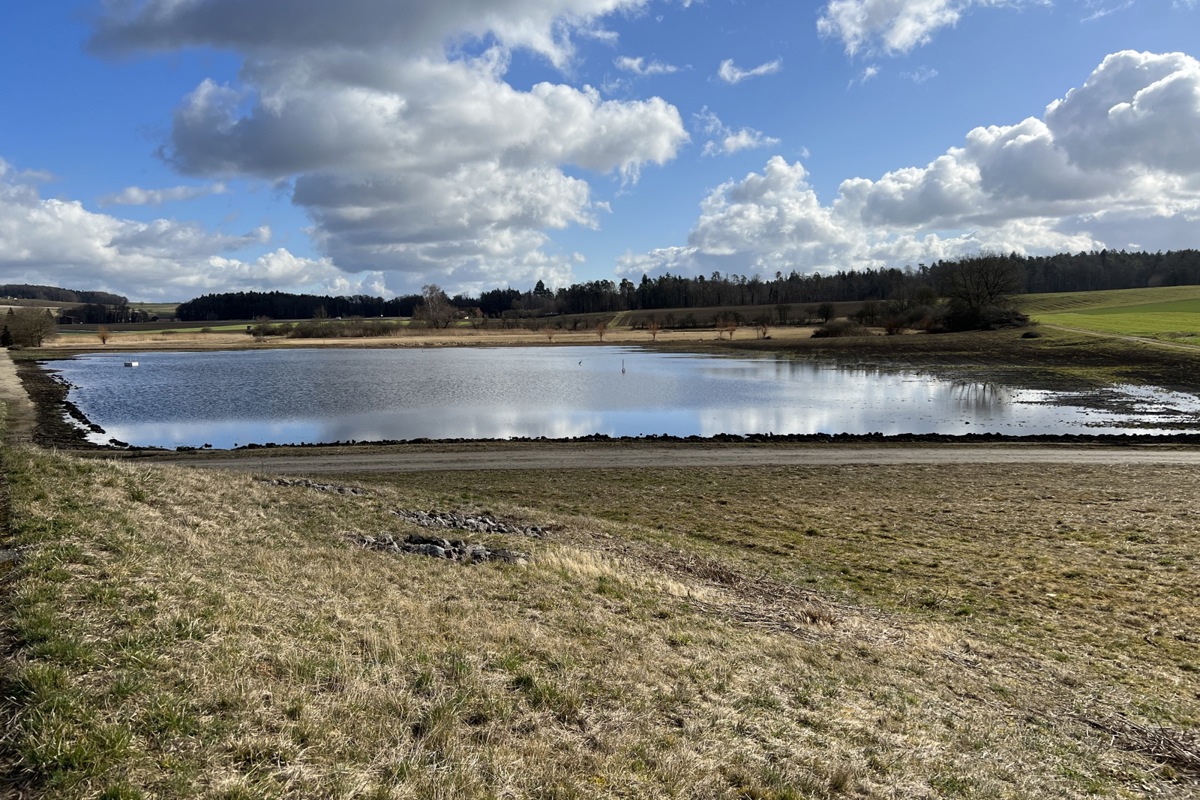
651, 456
20, 414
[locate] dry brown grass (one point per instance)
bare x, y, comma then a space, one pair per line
740, 633
416, 337
1177, 751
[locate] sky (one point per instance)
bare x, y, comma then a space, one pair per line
165, 149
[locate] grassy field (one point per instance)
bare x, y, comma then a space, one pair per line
1116, 298
1169, 313
156, 309
767, 633
955, 631
233, 336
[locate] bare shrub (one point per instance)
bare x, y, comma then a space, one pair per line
838, 328
261, 328
727, 324
869, 313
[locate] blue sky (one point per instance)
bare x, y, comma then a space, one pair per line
164, 149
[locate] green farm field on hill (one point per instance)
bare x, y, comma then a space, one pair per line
1170, 312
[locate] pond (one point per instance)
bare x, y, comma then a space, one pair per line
226, 399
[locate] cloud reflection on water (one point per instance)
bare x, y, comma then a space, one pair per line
295, 396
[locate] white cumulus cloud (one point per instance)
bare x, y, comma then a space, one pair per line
137, 196
413, 156
895, 26
1110, 164
921, 74
63, 243
410, 26
725, 140
642, 67
869, 72
733, 74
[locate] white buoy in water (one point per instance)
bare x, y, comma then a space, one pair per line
131, 363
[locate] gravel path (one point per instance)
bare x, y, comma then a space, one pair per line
650, 456
20, 412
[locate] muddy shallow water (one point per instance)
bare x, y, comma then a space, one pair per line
228, 399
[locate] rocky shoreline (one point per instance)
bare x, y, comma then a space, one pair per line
58, 422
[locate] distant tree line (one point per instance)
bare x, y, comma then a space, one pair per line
101, 314
282, 305
88, 307
53, 294
1106, 269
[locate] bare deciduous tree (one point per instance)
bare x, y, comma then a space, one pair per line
30, 327
979, 282
435, 308
869, 313
980, 291
726, 323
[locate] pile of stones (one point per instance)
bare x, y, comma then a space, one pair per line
475, 524
8, 562
320, 487
436, 547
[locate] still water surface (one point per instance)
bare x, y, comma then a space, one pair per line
227, 399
